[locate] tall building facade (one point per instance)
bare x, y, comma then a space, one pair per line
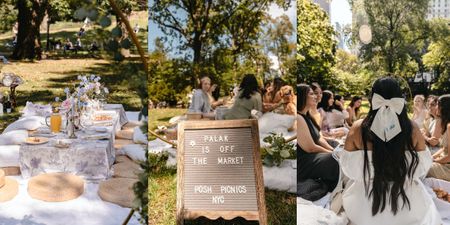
438, 9
324, 4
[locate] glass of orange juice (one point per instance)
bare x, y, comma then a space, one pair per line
55, 122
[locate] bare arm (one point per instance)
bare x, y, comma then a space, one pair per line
418, 140
305, 139
354, 139
350, 116
444, 159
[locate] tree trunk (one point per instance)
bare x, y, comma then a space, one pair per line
197, 47
28, 37
48, 36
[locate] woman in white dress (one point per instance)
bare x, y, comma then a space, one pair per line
420, 110
384, 158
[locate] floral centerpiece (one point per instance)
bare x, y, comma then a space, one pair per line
87, 95
277, 151
89, 92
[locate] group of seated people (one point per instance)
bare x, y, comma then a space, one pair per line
248, 98
385, 155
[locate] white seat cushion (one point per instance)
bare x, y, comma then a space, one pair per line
15, 137
26, 123
135, 152
139, 137
9, 155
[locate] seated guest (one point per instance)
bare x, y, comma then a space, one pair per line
431, 128
385, 158
214, 102
314, 113
272, 99
248, 99
353, 110
326, 113
441, 165
68, 45
314, 158
420, 110
338, 114
324, 108
200, 99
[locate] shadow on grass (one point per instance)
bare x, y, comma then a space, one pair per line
165, 119
206, 221
34, 96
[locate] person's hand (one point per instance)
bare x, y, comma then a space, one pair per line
423, 131
433, 141
442, 160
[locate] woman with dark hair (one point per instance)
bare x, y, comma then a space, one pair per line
248, 99
271, 99
317, 90
314, 159
325, 107
441, 166
353, 110
384, 159
336, 118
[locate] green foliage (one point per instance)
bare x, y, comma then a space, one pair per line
352, 78
277, 41
398, 29
278, 150
208, 25
315, 45
167, 78
438, 56
8, 14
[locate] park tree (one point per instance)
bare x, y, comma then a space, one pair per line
398, 32
58, 10
315, 44
200, 24
29, 17
278, 42
437, 57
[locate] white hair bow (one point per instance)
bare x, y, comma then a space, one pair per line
386, 125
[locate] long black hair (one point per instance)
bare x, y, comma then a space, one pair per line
249, 86
338, 98
389, 160
326, 95
352, 103
444, 109
302, 96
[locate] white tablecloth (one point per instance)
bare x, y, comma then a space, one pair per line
123, 119
90, 156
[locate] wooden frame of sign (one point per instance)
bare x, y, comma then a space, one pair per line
229, 187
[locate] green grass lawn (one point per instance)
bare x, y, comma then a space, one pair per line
281, 206
46, 79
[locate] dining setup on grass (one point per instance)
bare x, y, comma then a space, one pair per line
73, 161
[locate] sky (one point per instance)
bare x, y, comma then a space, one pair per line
273, 10
341, 13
